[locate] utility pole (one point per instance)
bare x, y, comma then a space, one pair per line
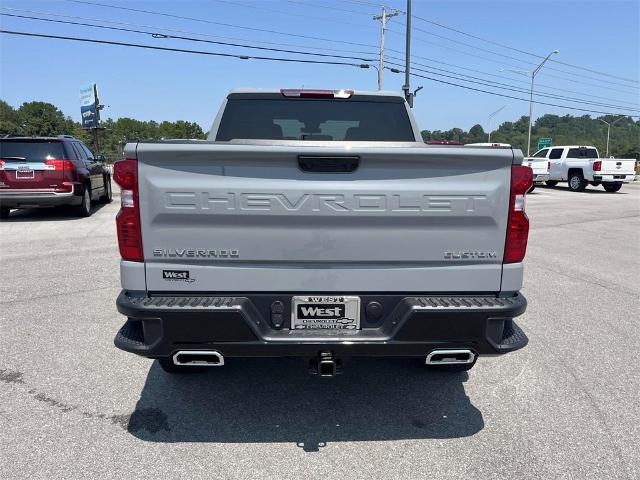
491, 118
383, 27
407, 68
608, 131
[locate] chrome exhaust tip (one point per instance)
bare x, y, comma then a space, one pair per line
198, 358
450, 357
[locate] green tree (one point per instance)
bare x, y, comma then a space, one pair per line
564, 130
41, 118
476, 134
9, 120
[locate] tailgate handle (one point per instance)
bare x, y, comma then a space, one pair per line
619, 164
328, 164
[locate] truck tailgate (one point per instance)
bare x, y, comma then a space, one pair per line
615, 166
539, 166
247, 218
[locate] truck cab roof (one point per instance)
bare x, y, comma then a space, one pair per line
377, 93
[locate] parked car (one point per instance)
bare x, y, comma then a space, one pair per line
318, 224
582, 165
50, 171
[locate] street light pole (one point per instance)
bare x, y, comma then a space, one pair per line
533, 76
608, 131
491, 117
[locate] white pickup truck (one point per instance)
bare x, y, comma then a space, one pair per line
317, 223
580, 166
539, 165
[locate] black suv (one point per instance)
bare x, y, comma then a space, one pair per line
50, 171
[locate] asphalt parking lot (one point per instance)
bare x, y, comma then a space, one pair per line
73, 406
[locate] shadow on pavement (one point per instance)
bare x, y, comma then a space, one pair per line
589, 189
276, 400
48, 214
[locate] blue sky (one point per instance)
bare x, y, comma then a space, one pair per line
153, 85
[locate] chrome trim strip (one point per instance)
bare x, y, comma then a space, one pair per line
35, 193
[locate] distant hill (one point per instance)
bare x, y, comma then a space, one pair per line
565, 130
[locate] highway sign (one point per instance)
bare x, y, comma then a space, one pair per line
544, 143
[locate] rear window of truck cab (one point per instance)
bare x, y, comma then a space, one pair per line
31, 150
582, 153
274, 117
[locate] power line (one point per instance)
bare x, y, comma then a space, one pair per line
517, 59
182, 50
290, 60
325, 7
395, 70
191, 39
293, 14
204, 20
502, 45
457, 77
627, 92
503, 77
513, 88
164, 29
313, 37
364, 3
475, 47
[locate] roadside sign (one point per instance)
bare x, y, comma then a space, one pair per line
544, 143
89, 106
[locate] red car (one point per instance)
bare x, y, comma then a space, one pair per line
48, 172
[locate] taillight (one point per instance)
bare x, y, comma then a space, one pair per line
548, 166
67, 168
125, 174
518, 224
597, 166
301, 93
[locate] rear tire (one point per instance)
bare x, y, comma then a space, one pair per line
577, 183
612, 187
108, 194
84, 209
4, 213
551, 183
533, 187
166, 364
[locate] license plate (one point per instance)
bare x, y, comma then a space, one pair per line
325, 313
24, 174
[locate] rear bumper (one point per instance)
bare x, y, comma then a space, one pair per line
540, 177
613, 178
241, 326
35, 198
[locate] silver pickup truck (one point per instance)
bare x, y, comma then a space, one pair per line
317, 224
